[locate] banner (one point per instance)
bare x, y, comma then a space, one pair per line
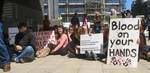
12, 33
123, 48
43, 38
91, 43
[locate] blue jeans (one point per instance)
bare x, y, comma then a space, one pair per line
28, 52
4, 56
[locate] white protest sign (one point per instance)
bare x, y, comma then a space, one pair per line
12, 33
123, 48
43, 38
91, 43
66, 24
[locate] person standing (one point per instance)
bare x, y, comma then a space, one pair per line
113, 14
128, 14
97, 22
46, 23
24, 45
75, 20
148, 25
85, 23
4, 56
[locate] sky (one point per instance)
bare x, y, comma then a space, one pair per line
128, 4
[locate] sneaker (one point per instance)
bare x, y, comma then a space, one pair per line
6, 68
88, 55
93, 55
23, 60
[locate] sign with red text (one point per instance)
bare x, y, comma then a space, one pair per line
43, 38
91, 43
123, 47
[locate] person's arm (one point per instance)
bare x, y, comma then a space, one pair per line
32, 41
63, 39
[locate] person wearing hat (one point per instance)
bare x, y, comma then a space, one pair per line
4, 56
24, 45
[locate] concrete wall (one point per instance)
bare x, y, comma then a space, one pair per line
14, 13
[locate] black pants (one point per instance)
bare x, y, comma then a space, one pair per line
61, 51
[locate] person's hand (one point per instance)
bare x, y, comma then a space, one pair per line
69, 34
138, 41
52, 52
8, 39
78, 47
18, 48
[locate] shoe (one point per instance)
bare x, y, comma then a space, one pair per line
6, 68
88, 55
43, 52
71, 55
93, 55
12, 60
148, 60
23, 60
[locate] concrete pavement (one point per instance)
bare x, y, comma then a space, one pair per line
63, 64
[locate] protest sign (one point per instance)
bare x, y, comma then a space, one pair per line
123, 48
12, 33
91, 43
43, 38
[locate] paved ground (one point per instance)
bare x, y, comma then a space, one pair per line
59, 64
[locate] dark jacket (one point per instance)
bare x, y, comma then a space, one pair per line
25, 39
75, 21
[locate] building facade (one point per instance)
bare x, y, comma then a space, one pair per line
16, 11
51, 8
67, 8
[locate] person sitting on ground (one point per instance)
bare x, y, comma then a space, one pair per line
85, 23
91, 55
71, 33
24, 45
76, 44
30, 29
41, 29
60, 46
90, 30
65, 30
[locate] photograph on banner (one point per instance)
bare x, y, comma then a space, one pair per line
91, 43
43, 38
123, 47
12, 31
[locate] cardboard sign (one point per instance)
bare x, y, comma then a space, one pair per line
43, 38
12, 33
123, 48
91, 43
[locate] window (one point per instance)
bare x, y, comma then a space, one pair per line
45, 1
76, 1
62, 1
112, 1
45, 10
76, 9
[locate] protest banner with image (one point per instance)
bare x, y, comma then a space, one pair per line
91, 43
43, 38
123, 47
